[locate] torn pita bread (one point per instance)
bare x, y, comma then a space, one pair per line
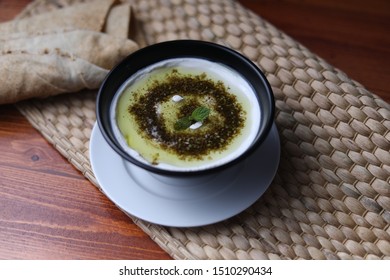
118, 21
25, 75
97, 48
89, 15
36, 7
63, 50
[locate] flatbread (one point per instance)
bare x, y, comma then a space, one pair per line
90, 15
24, 75
98, 48
118, 21
63, 50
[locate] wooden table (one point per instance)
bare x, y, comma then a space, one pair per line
48, 210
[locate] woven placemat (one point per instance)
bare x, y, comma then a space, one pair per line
330, 198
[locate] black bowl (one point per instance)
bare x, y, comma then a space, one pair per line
184, 49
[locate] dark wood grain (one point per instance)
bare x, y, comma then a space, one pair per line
48, 210
350, 35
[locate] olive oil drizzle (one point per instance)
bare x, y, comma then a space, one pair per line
224, 122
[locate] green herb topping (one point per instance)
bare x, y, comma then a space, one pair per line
198, 115
204, 100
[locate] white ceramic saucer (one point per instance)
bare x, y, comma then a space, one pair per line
184, 203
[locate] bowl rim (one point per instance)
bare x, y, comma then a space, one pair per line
187, 49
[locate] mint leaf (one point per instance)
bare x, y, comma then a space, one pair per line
183, 123
200, 114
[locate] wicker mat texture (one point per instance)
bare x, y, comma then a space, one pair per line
330, 198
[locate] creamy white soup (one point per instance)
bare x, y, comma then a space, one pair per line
186, 114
